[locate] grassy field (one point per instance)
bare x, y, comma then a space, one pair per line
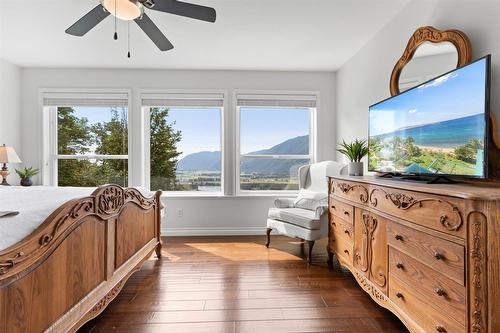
441, 162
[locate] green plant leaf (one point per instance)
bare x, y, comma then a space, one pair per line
355, 150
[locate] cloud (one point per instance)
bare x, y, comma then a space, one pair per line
412, 111
439, 81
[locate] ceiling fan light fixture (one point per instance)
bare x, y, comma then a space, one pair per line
126, 10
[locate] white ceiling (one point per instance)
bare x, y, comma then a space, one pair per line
248, 35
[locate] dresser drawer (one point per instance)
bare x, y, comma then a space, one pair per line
440, 291
440, 213
342, 210
420, 309
341, 228
351, 191
342, 247
443, 256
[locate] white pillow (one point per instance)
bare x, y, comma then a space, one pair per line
310, 200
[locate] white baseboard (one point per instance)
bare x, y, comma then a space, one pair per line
250, 231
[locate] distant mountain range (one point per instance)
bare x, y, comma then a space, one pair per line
210, 160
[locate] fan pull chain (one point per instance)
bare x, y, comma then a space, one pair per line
116, 32
128, 28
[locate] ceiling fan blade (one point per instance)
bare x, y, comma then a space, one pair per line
89, 21
185, 9
154, 33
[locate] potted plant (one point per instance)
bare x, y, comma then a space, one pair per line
354, 151
25, 174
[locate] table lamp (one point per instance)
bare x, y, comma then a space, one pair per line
7, 155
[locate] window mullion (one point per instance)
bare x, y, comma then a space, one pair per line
92, 157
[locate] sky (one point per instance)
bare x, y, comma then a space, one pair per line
261, 128
200, 128
455, 95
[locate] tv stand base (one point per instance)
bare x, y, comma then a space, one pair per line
441, 180
416, 178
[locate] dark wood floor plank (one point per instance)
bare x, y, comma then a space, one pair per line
236, 284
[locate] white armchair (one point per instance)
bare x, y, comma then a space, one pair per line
306, 216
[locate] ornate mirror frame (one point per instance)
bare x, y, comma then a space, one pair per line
433, 35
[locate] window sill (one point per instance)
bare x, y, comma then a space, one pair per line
180, 196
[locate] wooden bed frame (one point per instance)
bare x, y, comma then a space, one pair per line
77, 261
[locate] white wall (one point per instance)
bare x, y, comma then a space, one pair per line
430, 65
10, 112
227, 215
364, 79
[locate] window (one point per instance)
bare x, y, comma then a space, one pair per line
185, 142
276, 139
89, 141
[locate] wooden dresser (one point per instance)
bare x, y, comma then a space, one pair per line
428, 253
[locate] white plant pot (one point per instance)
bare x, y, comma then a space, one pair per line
355, 168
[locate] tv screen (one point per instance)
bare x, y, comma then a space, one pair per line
438, 128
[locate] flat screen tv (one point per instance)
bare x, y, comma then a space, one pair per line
439, 128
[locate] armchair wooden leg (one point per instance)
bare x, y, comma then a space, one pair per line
268, 232
330, 256
311, 245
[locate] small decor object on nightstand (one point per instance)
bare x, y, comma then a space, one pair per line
354, 151
7, 155
25, 174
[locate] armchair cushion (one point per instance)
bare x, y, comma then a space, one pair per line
310, 200
304, 218
284, 203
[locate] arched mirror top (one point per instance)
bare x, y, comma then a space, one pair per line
445, 50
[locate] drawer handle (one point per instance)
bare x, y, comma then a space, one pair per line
400, 265
346, 252
398, 237
440, 329
334, 207
346, 213
440, 291
399, 295
347, 232
438, 256
333, 223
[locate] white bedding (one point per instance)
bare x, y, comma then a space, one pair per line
35, 204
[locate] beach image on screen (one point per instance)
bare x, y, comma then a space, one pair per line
436, 128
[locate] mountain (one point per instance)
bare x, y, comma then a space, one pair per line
210, 161
296, 146
204, 160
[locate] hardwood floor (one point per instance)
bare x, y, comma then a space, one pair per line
236, 284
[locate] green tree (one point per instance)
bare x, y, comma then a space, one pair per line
111, 138
410, 148
468, 152
375, 145
73, 133
73, 138
163, 150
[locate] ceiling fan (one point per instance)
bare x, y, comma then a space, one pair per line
134, 10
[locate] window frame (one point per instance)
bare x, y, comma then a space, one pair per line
145, 111
237, 137
51, 157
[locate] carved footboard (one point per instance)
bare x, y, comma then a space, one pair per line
72, 266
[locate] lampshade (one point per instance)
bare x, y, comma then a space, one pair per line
8, 155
